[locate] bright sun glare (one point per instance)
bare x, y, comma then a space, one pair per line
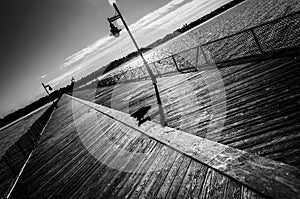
111, 2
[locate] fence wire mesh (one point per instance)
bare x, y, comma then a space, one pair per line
274, 36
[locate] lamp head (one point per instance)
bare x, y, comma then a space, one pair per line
50, 88
115, 31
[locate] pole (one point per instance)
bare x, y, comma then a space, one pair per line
153, 78
45, 89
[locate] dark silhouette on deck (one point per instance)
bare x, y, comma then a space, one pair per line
140, 115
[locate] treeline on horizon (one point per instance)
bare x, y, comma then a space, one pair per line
34, 105
92, 77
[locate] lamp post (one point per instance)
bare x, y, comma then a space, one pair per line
116, 32
46, 87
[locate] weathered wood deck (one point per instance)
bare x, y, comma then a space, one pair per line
87, 153
62, 167
19, 139
262, 105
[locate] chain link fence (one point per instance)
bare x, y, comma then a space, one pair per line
257, 43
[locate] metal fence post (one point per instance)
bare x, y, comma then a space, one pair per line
124, 75
256, 41
175, 63
158, 73
197, 55
204, 55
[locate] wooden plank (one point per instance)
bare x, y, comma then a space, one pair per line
76, 165
108, 152
173, 190
125, 171
87, 174
249, 194
98, 172
190, 181
278, 180
214, 185
170, 177
129, 182
198, 180
226, 159
117, 164
156, 180
162, 176
6, 178
137, 191
233, 190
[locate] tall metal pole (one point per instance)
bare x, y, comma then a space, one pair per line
153, 78
45, 87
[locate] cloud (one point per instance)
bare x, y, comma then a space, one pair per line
103, 42
84, 52
64, 77
155, 15
43, 76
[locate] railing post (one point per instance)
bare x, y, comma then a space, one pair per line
132, 74
204, 55
256, 41
158, 73
124, 75
197, 55
175, 63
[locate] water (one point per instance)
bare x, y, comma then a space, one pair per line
248, 14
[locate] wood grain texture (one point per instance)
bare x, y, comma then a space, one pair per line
279, 179
67, 164
14, 158
261, 114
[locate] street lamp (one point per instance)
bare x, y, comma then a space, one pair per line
115, 31
46, 87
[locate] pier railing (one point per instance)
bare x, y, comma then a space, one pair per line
279, 37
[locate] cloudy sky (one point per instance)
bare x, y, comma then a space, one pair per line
52, 40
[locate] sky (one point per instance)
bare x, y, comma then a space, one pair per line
49, 41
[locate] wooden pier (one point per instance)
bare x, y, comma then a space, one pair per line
260, 108
90, 151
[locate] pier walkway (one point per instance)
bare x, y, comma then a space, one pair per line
90, 151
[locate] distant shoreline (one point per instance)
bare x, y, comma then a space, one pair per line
23, 117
